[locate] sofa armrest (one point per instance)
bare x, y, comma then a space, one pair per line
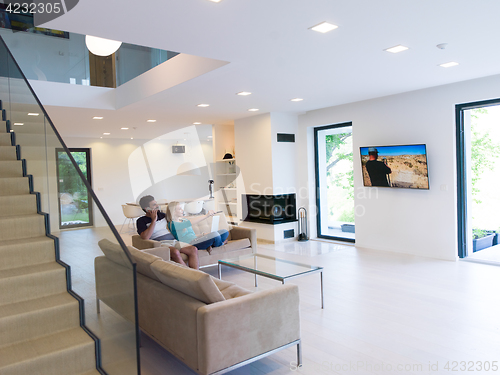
141, 244
240, 328
238, 233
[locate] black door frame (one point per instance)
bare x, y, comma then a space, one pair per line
89, 179
462, 173
316, 171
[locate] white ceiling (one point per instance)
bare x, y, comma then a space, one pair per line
272, 53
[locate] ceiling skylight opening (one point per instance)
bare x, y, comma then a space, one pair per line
244, 93
324, 27
253, 110
19, 123
449, 64
203, 105
33, 114
97, 118
151, 121
296, 100
396, 49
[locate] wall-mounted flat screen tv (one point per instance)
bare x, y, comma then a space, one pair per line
395, 166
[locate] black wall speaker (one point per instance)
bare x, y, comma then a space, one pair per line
285, 137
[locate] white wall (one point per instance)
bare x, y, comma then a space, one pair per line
401, 220
112, 178
223, 136
267, 167
253, 146
284, 154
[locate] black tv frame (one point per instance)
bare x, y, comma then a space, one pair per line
397, 187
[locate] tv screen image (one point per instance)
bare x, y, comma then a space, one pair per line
395, 166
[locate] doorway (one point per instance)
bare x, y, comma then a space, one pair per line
335, 182
75, 205
478, 171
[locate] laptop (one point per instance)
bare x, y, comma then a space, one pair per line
215, 223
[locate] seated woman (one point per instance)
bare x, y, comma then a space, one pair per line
154, 226
182, 229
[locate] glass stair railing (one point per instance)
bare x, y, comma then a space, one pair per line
63, 57
36, 257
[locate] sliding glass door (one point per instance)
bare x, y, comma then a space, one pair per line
334, 182
478, 164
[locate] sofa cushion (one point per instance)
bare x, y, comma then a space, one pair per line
144, 261
194, 283
115, 253
231, 246
230, 290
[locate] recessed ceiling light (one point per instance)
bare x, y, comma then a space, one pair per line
396, 49
449, 64
196, 123
253, 110
151, 121
131, 137
97, 118
296, 100
101, 137
324, 27
203, 105
210, 136
244, 93
19, 123
124, 128
215, 1
33, 114
106, 133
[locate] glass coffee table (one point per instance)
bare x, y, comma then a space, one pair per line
271, 267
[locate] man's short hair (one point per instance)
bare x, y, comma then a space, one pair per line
145, 201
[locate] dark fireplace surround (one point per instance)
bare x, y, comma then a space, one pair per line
269, 209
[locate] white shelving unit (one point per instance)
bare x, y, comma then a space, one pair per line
227, 196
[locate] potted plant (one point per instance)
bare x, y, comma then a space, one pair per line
482, 239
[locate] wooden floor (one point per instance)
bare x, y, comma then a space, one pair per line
384, 313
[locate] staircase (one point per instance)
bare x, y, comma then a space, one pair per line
40, 330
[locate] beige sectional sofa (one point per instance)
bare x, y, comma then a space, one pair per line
211, 325
241, 241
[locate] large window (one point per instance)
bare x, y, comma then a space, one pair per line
75, 206
334, 182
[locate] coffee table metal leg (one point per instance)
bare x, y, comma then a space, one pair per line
321, 276
255, 266
220, 271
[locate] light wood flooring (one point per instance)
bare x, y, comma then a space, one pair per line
384, 313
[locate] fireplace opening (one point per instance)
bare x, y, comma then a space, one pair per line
269, 209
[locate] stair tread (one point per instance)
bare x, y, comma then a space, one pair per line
13, 217
25, 307
27, 270
30, 350
26, 241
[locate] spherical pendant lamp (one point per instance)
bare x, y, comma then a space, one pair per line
101, 46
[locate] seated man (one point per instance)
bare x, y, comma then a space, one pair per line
154, 226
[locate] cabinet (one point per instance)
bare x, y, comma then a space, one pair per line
227, 189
